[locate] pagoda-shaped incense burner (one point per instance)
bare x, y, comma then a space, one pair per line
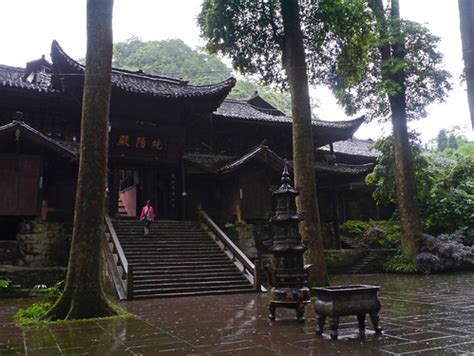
288, 273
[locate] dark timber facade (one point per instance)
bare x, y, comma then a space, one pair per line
179, 145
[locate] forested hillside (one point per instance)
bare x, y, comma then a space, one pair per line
176, 59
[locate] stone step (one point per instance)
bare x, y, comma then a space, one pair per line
133, 223
183, 264
167, 285
177, 255
169, 244
182, 289
160, 234
362, 264
194, 293
172, 259
188, 278
166, 251
183, 270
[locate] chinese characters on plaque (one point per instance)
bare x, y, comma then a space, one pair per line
139, 142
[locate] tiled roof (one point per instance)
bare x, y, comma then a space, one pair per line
142, 83
261, 151
208, 162
354, 147
219, 164
14, 77
238, 109
340, 168
324, 131
69, 149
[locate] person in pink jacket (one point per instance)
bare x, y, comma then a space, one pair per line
147, 216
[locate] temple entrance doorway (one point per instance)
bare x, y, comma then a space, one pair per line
129, 180
155, 183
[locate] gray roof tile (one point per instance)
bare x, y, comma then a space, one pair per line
139, 82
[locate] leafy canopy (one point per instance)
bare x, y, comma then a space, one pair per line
336, 35
425, 79
342, 40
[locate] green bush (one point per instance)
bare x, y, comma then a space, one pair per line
355, 228
31, 314
52, 292
4, 283
400, 264
445, 185
373, 233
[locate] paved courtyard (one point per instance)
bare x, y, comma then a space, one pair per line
431, 315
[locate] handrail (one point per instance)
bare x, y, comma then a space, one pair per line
127, 276
234, 249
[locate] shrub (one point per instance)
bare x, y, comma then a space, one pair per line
450, 250
445, 186
400, 264
374, 237
355, 228
428, 263
374, 233
31, 314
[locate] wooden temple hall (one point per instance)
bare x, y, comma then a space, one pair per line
182, 146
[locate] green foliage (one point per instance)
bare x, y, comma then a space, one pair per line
442, 140
342, 40
400, 264
337, 35
382, 177
374, 233
425, 81
171, 58
4, 283
449, 206
453, 141
49, 292
355, 228
465, 148
445, 185
176, 59
32, 314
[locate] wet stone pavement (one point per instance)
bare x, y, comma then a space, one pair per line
432, 315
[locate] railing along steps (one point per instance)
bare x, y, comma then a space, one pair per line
178, 258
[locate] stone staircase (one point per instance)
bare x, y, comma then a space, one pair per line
350, 242
178, 258
361, 266
122, 211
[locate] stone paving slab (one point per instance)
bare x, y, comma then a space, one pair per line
421, 315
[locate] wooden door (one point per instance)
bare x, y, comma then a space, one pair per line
19, 186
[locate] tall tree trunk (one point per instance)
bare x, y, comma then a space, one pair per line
83, 296
404, 169
466, 16
294, 61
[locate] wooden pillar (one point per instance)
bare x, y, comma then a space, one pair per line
183, 191
335, 206
114, 192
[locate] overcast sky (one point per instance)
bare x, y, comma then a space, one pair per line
29, 26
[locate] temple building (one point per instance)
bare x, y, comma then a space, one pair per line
179, 145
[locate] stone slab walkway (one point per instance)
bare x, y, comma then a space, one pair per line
431, 315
